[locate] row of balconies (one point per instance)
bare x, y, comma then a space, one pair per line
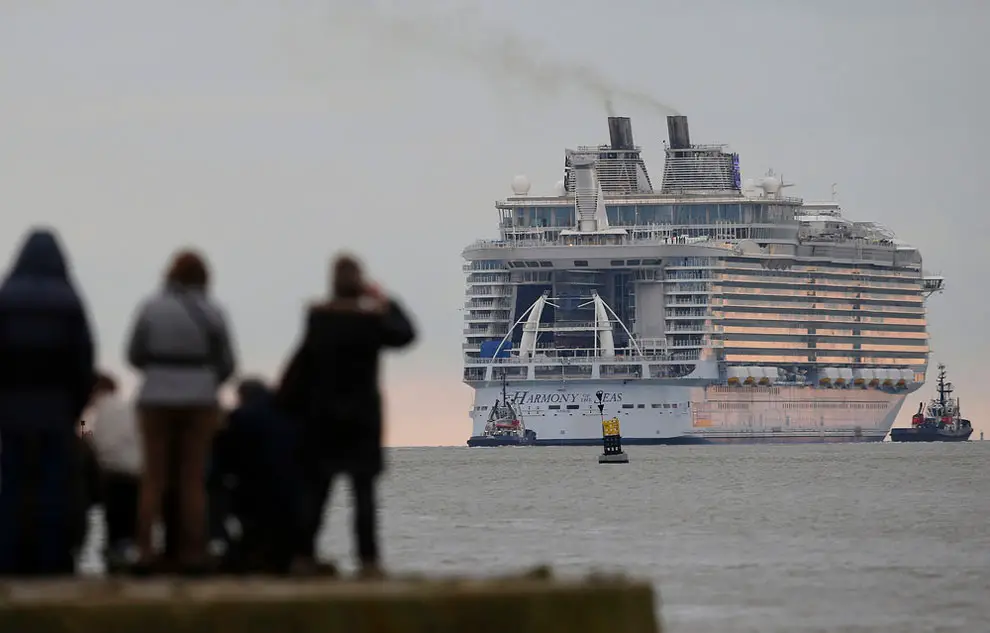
489, 291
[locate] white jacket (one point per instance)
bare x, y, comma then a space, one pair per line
116, 438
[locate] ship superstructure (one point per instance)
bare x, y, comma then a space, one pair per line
708, 310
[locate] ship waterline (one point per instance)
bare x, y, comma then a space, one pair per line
670, 414
708, 310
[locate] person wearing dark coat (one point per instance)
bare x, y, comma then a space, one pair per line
331, 387
47, 371
255, 465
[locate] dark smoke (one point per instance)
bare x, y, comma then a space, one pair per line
461, 38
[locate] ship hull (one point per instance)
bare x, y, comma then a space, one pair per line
927, 435
566, 414
492, 442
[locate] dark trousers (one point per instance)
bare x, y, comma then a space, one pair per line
192, 429
317, 495
120, 506
171, 504
40, 498
171, 515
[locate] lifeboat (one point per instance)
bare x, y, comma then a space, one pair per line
736, 375
888, 377
860, 377
764, 375
750, 376
827, 376
874, 378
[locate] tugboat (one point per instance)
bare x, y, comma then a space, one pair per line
505, 427
940, 422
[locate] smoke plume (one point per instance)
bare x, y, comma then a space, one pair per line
461, 38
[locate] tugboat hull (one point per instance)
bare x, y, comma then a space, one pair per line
929, 435
489, 441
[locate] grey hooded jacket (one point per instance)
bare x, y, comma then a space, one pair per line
181, 342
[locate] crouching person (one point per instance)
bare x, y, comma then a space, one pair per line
255, 457
117, 443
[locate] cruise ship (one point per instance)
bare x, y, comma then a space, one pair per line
705, 310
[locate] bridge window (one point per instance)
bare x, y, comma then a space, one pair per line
580, 262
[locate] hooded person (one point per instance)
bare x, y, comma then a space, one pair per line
46, 375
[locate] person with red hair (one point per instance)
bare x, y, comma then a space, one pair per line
181, 343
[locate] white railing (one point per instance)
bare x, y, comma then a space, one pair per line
614, 240
624, 358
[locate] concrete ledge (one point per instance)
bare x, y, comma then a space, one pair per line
526, 604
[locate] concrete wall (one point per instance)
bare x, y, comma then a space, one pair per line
519, 605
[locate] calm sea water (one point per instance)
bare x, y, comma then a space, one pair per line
878, 537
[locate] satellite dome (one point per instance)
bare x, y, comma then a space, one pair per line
770, 184
559, 189
520, 185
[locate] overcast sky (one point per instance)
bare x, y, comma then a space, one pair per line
273, 134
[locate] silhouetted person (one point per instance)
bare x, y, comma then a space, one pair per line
331, 388
117, 444
180, 342
255, 465
218, 495
46, 375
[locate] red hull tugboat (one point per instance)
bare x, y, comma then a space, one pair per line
941, 421
505, 426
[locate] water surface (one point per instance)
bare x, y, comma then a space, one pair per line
864, 538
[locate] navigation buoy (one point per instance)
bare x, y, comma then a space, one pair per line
611, 438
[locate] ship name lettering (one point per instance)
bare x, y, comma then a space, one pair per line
528, 397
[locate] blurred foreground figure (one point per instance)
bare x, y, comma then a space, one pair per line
117, 445
255, 467
331, 388
46, 375
180, 341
